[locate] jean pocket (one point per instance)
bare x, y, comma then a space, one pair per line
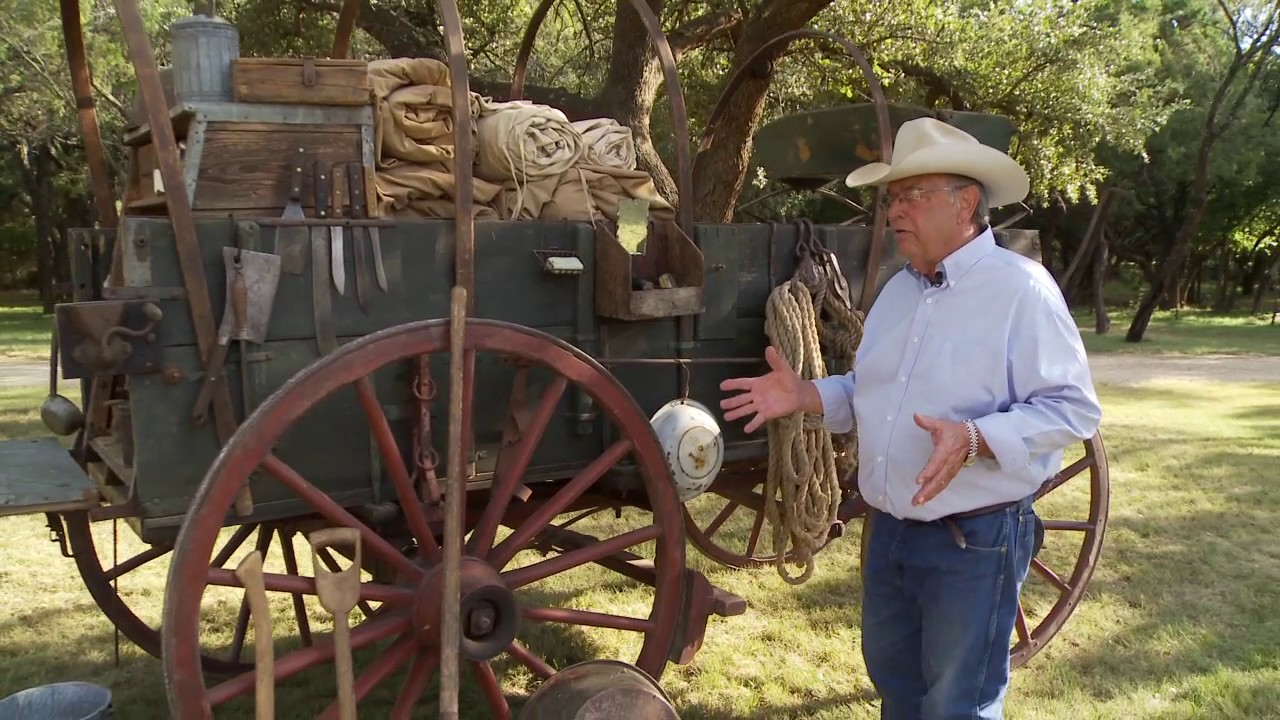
988, 533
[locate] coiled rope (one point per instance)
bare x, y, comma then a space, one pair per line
802, 486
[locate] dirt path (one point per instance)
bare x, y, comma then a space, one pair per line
1127, 369
1107, 368
23, 373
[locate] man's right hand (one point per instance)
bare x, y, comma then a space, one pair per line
780, 393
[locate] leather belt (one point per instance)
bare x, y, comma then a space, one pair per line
950, 520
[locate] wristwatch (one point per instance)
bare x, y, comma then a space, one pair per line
972, 427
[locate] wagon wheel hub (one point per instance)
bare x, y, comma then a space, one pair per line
488, 610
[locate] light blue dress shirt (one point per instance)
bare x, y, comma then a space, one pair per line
993, 343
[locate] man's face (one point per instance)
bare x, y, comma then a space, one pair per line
928, 220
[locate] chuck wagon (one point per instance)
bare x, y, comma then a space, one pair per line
464, 410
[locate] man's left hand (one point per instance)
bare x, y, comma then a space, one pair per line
950, 448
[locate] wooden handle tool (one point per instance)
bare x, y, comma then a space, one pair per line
250, 573
338, 593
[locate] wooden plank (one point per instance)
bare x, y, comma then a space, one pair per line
39, 476
253, 169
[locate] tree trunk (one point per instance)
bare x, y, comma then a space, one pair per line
1264, 286
1221, 302
631, 87
720, 170
1102, 323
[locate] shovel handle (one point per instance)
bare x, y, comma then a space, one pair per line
339, 591
250, 573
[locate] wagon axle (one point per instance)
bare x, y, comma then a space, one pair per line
490, 615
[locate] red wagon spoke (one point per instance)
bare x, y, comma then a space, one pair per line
1065, 474
558, 503
1074, 525
296, 585
291, 567
1021, 623
138, 561
720, 519
410, 503
386, 664
338, 515
585, 617
234, 542
299, 660
1050, 575
754, 540
424, 665
488, 683
581, 556
526, 657
512, 471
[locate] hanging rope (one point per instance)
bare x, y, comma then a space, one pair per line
802, 487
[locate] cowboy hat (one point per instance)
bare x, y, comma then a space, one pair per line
926, 146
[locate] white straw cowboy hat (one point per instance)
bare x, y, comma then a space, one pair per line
925, 146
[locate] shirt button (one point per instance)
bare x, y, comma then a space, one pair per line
902, 379
890, 418
915, 339
928, 301
880, 459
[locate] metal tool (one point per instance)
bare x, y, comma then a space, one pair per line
252, 279
375, 239
250, 573
337, 252
339, 592
291, 242
321, 263
355, 178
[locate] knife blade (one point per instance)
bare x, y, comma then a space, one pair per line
375, 240
339, 256
355, 178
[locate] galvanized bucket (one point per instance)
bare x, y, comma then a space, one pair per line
59, 701
203, 49
599, 690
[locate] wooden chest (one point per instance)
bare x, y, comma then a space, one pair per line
239, 158
306, 81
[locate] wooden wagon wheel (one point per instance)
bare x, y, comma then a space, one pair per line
1086, 519
727, 522
100, 577
402, 634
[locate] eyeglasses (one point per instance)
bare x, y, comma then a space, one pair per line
914, 195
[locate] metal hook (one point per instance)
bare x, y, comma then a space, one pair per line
685, 378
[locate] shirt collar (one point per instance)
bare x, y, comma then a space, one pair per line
961, 261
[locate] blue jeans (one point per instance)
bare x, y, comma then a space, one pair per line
937, 618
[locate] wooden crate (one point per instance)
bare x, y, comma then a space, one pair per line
303, 81
238, 158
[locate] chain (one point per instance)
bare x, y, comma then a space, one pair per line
425, 456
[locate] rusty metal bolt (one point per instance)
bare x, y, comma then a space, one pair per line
480, 620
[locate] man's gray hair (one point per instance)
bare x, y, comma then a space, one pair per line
982, 211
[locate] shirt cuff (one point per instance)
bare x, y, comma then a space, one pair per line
837, 402
1006, 444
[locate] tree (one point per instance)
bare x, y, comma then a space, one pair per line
1254, 33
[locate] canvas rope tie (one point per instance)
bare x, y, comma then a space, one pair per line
802, 486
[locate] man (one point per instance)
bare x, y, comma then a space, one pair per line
969, 383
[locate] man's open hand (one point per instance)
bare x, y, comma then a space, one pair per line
777, 394
950, 448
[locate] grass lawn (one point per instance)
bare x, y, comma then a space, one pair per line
1188, 332
24, 332
1180, 621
